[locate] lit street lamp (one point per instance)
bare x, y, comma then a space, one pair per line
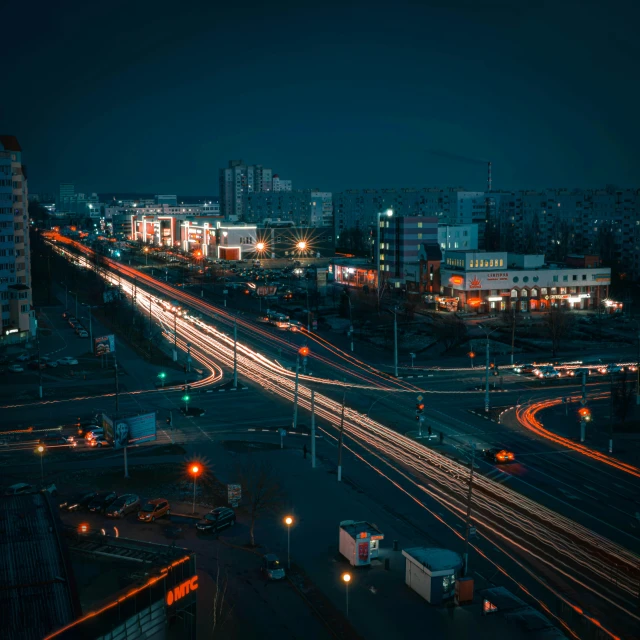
288, 521
40, 450
346, 578
146, 256
195, 471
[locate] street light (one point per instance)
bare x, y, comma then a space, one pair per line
195, 471
346, 578
40, 450
486, 390
146, 255
288, 521
388, 213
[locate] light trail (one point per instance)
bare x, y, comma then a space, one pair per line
561, 545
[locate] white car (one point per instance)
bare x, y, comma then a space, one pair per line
15, 368
67, 360
552, 373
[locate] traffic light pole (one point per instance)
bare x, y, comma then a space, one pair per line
395, 343
295, 395
175, 336
486, 388
583, 402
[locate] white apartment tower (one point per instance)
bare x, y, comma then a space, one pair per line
17, 319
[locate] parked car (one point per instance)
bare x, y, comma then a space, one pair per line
123, 505
68, 360
499, 455
23, 357
15, 368
19, 489
271, 567
37, 366
83, 334
78, 501
218, 519
153, 509
79, 328
52, 363
101, 501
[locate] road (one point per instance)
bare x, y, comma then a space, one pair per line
514, 514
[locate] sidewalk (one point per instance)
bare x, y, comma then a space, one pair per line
380, 604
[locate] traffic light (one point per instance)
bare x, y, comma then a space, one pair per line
585, 414
419, 410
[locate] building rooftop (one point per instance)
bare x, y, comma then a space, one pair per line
10, 143
36, 580
433, 558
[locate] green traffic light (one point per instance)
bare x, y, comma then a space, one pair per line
186, 398
162, 374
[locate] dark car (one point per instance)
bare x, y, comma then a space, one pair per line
216, 520
499, 455
123, 505
58, 440
578, 373
153, 509
272, 567
196, 412
78, 501
100, 502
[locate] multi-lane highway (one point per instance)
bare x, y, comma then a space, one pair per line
542, 515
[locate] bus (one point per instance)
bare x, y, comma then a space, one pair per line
279, 320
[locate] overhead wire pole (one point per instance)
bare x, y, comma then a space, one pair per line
468, 518
235, 358
295, 394
341, 437
313, 429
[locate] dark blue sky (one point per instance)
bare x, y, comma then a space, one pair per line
156, 97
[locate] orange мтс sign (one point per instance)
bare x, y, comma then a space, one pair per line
181, 590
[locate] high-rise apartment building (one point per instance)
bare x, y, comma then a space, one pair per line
304, 207
281, 185
239, 180
17, 316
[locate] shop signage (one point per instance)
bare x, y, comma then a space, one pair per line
181, 590
584, 295
475, 284
564, 296
495, 299
500, 275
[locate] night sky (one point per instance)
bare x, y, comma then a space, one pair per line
156, 97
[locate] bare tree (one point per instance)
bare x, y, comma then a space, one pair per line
623, 397
557, 323
262, 490
450, 329
220, 609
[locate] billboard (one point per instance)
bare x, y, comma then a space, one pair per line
129, 430
266, 290
103, 345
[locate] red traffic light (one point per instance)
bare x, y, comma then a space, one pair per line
585, 413
303, 351
420, 406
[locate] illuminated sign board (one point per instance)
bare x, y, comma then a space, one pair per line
180, 591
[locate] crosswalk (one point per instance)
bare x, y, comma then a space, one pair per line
498, 475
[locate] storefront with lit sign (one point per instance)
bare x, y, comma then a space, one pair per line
354, 274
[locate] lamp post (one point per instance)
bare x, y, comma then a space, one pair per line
486, 389
346, 578
194, 470
350, 322
288, 521
146, 256
40, 450
388, 213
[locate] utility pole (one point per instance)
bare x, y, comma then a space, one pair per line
295, 395
39, 369
611, 413
513, 333
313, 429
149, 326
133, 301
583, 402
189, 357
395, 343
175, 336
486, 390
235, 356
341, 437
468, 519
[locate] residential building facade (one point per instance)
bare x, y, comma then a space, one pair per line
462, 237
305, 208
17, 318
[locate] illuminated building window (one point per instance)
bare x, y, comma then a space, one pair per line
501, 262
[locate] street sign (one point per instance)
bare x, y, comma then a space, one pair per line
104, 344
420, 398
234, 494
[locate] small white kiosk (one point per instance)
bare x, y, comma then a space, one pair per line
432, 572
359, 542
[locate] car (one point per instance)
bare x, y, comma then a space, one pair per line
68, 360
610, 369
579, 372
123, 505
65, 315
37, 366
93, 431
499, 455
216, 520
524, 368
295, 325
272, 567
79, 328
19, 489
72, 319
550, 373
58, 439
101, 501
15, 368
78, 501
83, 334
23, 357
99, 442
196, 412
52, 363
632, 367
540, 371
153, 509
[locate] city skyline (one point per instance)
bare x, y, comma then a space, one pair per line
392, 102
